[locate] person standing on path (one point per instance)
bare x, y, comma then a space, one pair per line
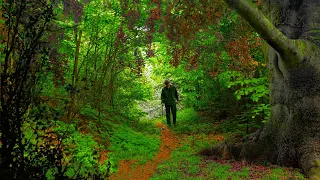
169, 96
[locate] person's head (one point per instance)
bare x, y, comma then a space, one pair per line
167, 83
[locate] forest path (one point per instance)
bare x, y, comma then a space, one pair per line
129, 169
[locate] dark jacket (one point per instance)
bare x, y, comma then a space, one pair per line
169, 96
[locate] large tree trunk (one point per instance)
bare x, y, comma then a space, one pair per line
291, 137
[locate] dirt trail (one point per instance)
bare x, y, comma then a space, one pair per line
130, 170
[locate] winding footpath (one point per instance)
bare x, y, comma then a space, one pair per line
129, 169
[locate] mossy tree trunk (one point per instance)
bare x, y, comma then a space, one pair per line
291, 137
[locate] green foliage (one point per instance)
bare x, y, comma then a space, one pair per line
114, 75
250, 107
131, 89
226, 78
261, 109
90, 113
145, 127
194, 85
189, 122
191, 86
127, 144
255, 88
81, 151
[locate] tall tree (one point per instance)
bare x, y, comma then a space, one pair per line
291, 136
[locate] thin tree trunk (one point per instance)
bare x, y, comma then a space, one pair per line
75, 76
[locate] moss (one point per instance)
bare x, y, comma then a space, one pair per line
265, 51
314, 173
272, 11
314, 31
303, 46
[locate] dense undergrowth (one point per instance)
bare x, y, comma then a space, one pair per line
90, 146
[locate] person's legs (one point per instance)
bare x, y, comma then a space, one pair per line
168, 114
174, 113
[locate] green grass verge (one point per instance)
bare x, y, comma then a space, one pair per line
127, 144
222, 171
189, 122
182, 165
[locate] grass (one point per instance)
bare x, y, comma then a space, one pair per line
223, 171
188, 122
139, 141
182, 165
279, 173
123, 138
185, 163
127, 144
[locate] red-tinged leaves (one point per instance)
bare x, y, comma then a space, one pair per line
239, 51
258, 3
121, 35
219, 36
183, 21
175, 59
155, 13
132, 16
156, 1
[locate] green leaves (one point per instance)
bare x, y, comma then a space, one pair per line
80, 150
225, 79
255, 88
254, 91
261, 109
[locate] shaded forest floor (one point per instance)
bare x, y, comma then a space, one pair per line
178, 157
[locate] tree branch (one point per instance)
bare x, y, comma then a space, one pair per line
287, 48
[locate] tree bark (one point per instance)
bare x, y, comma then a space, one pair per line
291, 137
75, 76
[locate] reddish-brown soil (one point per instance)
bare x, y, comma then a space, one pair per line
131, 170
103, 156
